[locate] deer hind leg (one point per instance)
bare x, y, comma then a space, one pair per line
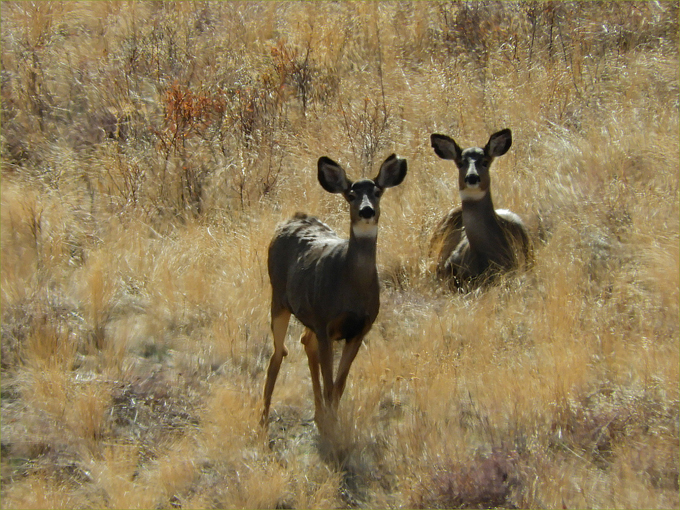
311, 344
279, 328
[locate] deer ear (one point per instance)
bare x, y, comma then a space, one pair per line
332, 176
392, 172
499, 143
445, 147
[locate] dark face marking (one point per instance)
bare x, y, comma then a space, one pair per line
364, 194
473, 163
473, 173
364, 199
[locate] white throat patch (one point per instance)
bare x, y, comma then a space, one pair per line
472, 194
365, 229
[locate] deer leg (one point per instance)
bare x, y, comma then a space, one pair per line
326, 361
311, 344
279, 328
324, 417
349, 352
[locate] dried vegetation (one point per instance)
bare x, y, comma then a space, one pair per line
150, 148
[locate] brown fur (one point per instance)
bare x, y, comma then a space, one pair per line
474, 242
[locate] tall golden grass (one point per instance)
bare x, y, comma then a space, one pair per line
148, 151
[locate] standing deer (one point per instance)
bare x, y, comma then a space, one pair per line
475, 242
330, 284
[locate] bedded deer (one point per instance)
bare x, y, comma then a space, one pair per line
330, 284
475, 242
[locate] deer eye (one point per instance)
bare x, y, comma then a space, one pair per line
378, 192
351, 196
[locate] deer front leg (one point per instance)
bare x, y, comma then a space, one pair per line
349, 352
311, 344
464, 263
325, 350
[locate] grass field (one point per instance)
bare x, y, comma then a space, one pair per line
148, 151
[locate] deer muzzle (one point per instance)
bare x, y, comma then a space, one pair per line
472, 178
367, 212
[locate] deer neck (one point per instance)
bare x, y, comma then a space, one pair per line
361, 253
482, 227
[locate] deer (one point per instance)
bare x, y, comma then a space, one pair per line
474, 242
328, 283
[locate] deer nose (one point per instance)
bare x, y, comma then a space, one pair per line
472, 179
367, 212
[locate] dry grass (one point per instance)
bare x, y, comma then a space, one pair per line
148, 151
